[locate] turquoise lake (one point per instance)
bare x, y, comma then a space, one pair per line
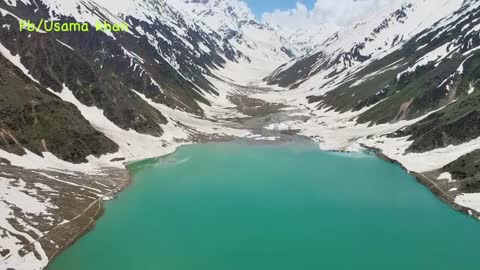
241, 206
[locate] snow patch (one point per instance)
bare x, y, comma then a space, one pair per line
445, 176
470, 200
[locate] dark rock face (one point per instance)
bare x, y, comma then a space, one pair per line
466, 171
100, 71
32, 118
96, 71
155, 61
311, 64
436, 84
434, 133
394, 92
301, 70
454, 124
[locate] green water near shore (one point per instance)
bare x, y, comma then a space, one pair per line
232, 206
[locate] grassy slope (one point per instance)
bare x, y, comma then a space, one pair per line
33, 118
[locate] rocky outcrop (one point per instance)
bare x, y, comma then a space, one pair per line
33, 119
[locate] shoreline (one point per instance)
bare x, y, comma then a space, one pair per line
113, 195
425, 181
420, 178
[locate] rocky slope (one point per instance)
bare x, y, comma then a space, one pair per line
75, 106
85, 102
405, 84
234, 21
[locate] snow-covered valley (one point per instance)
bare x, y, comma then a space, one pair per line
193, 72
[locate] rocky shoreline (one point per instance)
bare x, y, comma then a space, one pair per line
96, 210
81, 206
46, 211
100, 206
430, 184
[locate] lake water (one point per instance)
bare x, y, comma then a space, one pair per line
237, 206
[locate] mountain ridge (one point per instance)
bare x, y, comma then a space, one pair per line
404, 82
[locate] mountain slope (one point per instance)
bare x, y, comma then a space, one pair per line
32, 118
164, 57
75, 106
406, 87
259, 47
234, 21
352, 47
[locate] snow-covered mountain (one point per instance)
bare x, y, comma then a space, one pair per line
234, 21
307, 39
74, 106
261, 48
81, 101
370, 38
404, 84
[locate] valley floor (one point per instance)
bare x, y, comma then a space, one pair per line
46, 204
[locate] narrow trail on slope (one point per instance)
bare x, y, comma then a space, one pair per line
27, 248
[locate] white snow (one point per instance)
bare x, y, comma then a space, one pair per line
445, 176
96, 192
261, 47
5, 13
471, 89
422, 162
132, 145
204, 48
66, 45
435, 56
13, 192
15, 59
193, 122
470, 200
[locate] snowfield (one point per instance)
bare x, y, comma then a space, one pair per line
262, 50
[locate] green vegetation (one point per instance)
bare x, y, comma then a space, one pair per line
34, 119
